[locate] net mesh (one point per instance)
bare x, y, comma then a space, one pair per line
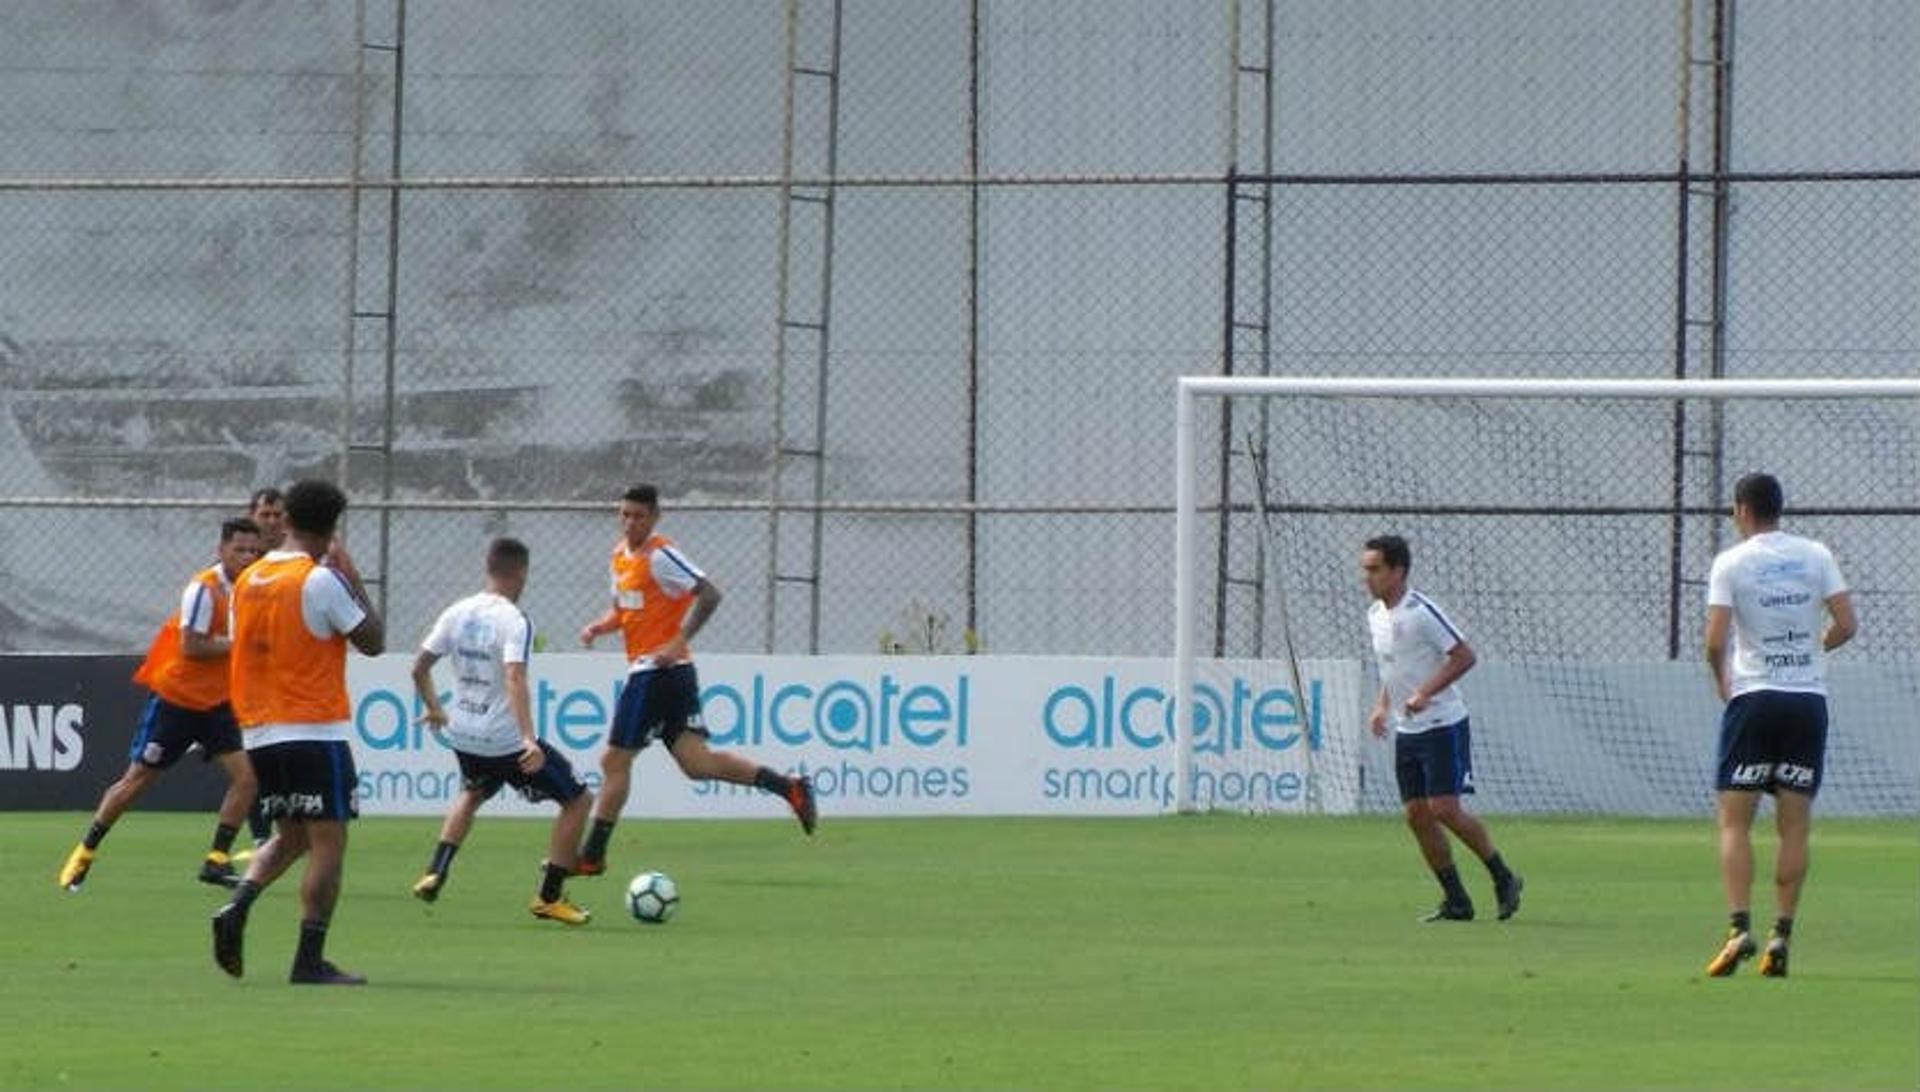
1570, 540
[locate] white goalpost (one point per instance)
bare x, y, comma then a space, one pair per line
1600, 500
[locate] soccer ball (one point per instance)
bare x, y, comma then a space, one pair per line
653, 897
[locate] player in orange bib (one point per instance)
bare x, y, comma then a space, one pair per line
186, 669
294, 613
661, 599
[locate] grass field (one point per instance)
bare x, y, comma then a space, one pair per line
1183, 952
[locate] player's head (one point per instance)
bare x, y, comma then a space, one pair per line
313, 513
1384, 561
239, 545
639, 511
1757, 500
508, 561
267, 508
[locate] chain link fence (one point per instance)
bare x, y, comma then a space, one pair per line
889, 303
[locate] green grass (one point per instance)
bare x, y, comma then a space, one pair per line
1194, 952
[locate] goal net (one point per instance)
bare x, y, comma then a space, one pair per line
1566, 527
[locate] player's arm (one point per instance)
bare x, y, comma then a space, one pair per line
1719, 624
599, 627
433, 715
706, 600
196, 622
1377, 719
1460, 660
370, 635
520, 703
1841, 625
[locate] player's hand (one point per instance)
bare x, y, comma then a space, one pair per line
435, 719
673, 652
532, 758
337, 557
587, 634
1378, 723
1417, 702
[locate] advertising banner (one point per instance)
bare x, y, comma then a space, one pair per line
895, 735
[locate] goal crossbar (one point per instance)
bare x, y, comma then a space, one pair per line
1190, 389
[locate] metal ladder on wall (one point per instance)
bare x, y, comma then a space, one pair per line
797, 476
378, 281
1700, 337
1240, 594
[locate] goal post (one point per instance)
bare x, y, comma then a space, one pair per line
1534, 433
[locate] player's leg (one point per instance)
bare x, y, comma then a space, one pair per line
1734, 811
556, 781
242, 787
1455, 751
634, 720
1793, 818
273, 770
679, 707
114, 803
479, 781
319, 894
1411, 771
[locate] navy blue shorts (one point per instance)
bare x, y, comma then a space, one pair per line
658, 704
307, 779
1771, 740
167, 730
485, 774
1436, 762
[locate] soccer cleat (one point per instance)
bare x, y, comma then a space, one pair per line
1737, 950
217, 870
1509, 896
1773, 961
587, 866
427, 887
1450, 911
229, 930
800, 799
562, 911
324, 974
74, 872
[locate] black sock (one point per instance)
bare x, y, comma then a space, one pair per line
443, 857
771, 780
244, 893
1497, 868
1783, 927
258, 824
223, 838
596, 847
1449, 878
313, 944
1742, 921
95, 834
551, 877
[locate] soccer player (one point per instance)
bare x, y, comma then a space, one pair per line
294, 613
661, 599
1421, 655
1773, 591
186, 670
267, 508
491, 727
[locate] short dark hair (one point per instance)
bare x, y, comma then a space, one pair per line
643, 493
238, 525
1393, 550
1762, 495
314, 506
265, 495
507, 555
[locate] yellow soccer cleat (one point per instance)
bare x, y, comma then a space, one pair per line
1773, 961
562, 911
1738, 949
74, 872
427, 887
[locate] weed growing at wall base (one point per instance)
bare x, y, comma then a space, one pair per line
1209, 951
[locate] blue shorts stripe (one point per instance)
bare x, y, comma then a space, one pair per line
144, 731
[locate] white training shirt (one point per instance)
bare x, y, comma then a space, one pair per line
481, 634
1777, 585
196, 604
1410, 642
329, 609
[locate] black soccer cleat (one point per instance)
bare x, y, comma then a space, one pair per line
800, 799
229, 932
1773, 961
324, 974
217, 870
1509, 896
1450, 911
